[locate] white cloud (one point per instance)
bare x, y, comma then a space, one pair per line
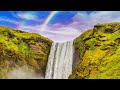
61, 34
84, 21
64, 31
27, 15
35, 28
8, 20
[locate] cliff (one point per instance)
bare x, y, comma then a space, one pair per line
22, 49
99, 53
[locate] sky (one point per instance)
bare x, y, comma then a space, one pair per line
59, 26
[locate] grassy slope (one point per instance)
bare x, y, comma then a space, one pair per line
99, 53
18, 48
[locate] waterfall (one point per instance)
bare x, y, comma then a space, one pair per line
60, 61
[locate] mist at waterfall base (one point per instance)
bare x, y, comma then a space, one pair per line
22, 73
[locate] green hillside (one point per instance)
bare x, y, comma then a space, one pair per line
22, 49
99, 53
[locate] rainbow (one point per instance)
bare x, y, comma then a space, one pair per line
45, 23
48, 19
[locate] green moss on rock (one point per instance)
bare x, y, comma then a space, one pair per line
19, 48
99, 53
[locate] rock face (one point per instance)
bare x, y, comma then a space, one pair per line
99, 53
22, 49
60, 61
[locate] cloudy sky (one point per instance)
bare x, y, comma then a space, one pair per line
63, 26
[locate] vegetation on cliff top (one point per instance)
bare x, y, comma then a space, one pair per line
99, 53
19, 48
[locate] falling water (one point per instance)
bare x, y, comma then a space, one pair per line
60, 61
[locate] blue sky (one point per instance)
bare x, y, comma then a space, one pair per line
64, 17
64, 26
